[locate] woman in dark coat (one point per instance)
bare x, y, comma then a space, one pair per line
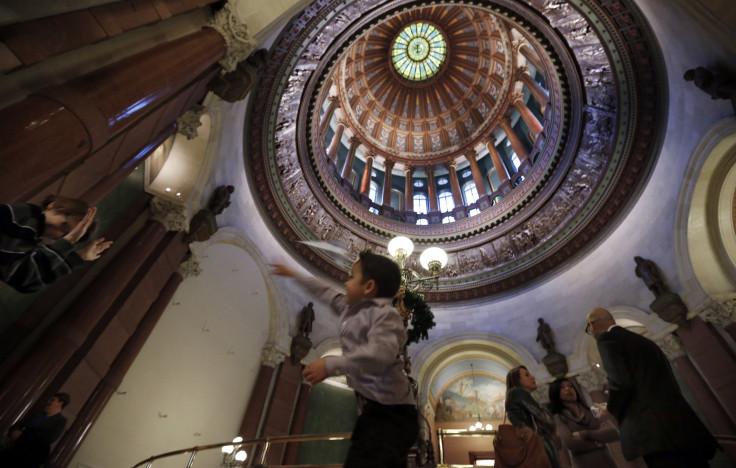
524, 411
581, 432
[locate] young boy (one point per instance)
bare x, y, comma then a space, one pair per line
372, 335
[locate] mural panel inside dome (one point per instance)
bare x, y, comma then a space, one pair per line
459, 403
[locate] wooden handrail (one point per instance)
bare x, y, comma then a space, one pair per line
266, 441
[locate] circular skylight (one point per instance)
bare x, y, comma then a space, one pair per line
419, 51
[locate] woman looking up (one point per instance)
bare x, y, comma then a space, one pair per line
524, 411
40, 244
583, 434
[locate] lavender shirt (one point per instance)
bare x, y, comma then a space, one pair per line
372, 335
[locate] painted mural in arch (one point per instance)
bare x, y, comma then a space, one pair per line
458, 401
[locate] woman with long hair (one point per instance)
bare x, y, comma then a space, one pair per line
40, 244
524, 411
582, 433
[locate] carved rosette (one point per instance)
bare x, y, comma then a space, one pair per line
235, 32
189, 122
189, 268
171, 215
671, 346
272, 355
719, 313
592, 380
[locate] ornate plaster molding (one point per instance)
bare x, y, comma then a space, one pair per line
188, 123
189, 268
171, 215
273, 355
671, 346
235, 32
721, 313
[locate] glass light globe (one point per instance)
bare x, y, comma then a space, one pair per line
433, 254
400, 243
228, 449
471, 428
241, 456
479, 425
237, 440
489, 427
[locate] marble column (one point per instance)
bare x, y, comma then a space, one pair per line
334, 103
431, 188
540, 94
706, 401
408, 188
712, 355
56, 129
95, 404
531, 121
28, 382
291, 457
280, 407
480, 185
501, 171
365, 183
528, 52
513, 138
389, 166
335, 143
347, 168
457, 195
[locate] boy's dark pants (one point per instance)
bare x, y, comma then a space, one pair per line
382, 436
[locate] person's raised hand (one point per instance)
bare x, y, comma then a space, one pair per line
94, 249
281, 270
81, 228
315, 372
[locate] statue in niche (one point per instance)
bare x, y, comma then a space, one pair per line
648, 272
306, 319
545, 338
717, 84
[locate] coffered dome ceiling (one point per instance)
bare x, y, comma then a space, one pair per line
599, 134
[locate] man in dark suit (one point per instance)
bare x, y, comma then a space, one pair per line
655, 420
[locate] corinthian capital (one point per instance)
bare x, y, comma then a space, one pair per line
171, 215
235, 32
671, 346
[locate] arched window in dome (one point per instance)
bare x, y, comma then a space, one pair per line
419, 51
422, 222
448, 219
446, 201
470, 192
515, 161
420, 203
373, 192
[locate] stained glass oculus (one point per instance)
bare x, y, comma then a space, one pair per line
419, 51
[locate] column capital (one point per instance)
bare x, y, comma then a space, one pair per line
521, 71
408, 171
505, 120
592, 380
471, 154
335, 100
171, 215
188, 123
235, 32
273, 355
489, 141
370, 154
342, 121
429, 170
189, 267
517, 98
451, 164
671, 346
389, 163
721, 313
517, 45
354, 141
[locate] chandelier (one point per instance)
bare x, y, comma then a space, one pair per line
234, 455
432, 259
478, 426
